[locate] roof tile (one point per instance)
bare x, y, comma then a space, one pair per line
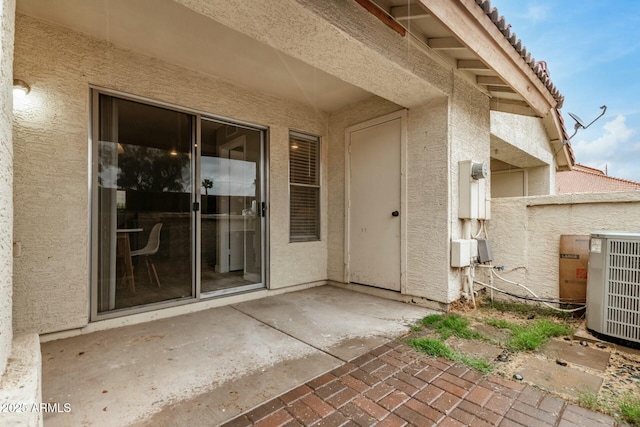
585, 179
500, 22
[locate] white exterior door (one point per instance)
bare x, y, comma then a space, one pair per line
374, 202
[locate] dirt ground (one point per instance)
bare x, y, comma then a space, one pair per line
621, 376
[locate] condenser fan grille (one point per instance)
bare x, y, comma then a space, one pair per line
623, 290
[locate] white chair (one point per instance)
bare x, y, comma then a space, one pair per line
151, 248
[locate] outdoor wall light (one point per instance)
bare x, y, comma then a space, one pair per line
20, 88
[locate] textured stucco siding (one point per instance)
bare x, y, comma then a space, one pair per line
51, 173
439, 134
335, 171
299, 262
7, 14
525, 232
541, 181
470, 140
340, 38
428, 201
525, 133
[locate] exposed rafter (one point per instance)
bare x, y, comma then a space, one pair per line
511, 106
503, 89
412, 11
490, 80
472, 65
445, 43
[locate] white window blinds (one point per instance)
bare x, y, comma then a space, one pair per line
304, 187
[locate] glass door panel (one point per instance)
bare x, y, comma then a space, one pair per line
144, 197
231, 226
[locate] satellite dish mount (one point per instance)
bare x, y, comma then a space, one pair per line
580, 123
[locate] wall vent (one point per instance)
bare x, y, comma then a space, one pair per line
613, 286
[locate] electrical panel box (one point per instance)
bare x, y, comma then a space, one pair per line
484, 251
472, 201
474, 248
483, 203
460, 253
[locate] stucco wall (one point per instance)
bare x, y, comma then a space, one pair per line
338, 37
541, 180
526, 134
428, 200
439, 134
338, 122
470, 140
51, 163
525, 232
7, 13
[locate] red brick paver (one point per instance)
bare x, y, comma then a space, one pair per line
395, 386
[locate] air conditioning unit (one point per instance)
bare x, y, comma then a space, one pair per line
613, 286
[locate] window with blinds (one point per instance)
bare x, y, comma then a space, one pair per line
304, 187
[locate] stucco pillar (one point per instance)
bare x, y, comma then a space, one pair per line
428, 200
7, 23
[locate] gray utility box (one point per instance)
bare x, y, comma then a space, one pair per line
613, 285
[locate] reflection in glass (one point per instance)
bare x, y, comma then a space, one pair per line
230, 198
144, 204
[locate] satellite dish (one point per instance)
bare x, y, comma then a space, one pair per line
579, 122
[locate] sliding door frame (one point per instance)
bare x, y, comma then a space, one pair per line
198, 116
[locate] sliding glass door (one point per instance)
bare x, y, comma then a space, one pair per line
144, 218
231, 200
172, 221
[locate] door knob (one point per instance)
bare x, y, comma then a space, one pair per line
395, 213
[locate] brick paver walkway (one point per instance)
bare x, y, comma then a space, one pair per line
395, 386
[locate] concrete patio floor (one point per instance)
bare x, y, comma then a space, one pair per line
206, 368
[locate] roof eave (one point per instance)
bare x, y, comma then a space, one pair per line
561, 146
471, 25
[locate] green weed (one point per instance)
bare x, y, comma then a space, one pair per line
437, 348
452, 324
499, 323
433, 347
477, 364
532, 336
630, 408
431, 319
588, 399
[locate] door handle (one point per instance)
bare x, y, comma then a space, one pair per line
395, 213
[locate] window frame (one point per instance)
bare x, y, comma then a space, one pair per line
313, 139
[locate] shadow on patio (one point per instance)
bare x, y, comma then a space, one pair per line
205, 368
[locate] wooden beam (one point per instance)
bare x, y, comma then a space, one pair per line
389, 21
406, 13
445, 43
469, 24
503, 89
472, 64
490, 80
512, 106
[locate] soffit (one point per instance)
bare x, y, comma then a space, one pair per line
171, 32
472, 37
512, 155
452, 30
